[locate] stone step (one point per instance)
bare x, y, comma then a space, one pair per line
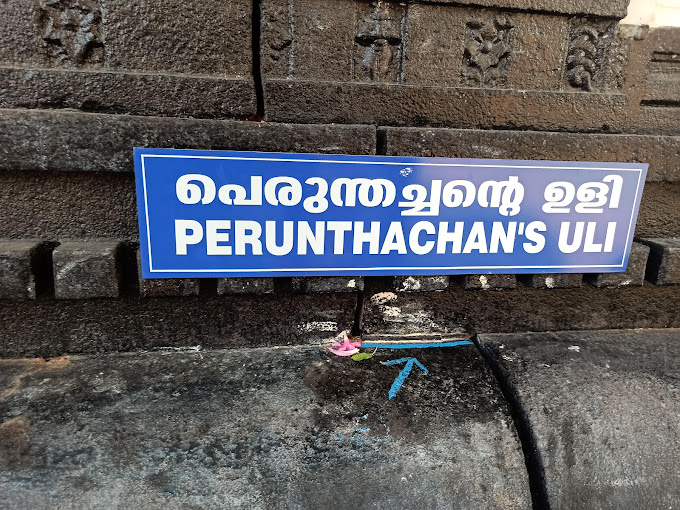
257, 428
603, 410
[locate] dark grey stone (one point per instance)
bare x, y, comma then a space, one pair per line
523, 309
245, 286
664, 260
660, 152
146, 57
256, 428
604, 410
49, 327
427, 44
86, 205
57, 141
171, 37
633, 276
128, 93
68, 205
326, 284
614, 9
553, 280
399, 105
166, 286
659, 214
489, 281
420, 283
17, 278
87, 269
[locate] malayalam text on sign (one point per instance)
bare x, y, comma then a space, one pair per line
223, 213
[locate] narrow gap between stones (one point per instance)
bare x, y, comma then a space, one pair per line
525, 432
128, 269
357, 326
257, 72
660, 103
42, 268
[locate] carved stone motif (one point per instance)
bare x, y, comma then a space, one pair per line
487, 52
581, 59
71, 30
591, 58
379, 43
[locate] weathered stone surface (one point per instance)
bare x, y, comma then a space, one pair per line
445, 48
660, 152
257, 428
41, 140
633, 276
420, 283
425, 44
205, 37
245, 286
71, 205
128, 93
53, 327
553, 281
523, 309
87, 269
489, 281
651, 78
401, 105
148, 58
325, 284
614, 9
659, 214
90, 205
17, 269
604, 410
168, 287
664, 260
165, 287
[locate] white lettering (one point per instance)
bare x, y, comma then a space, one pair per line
182, 238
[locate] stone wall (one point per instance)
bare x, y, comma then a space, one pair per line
83, 82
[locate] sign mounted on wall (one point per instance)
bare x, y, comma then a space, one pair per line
212, 214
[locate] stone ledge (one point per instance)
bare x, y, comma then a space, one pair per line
87, 269
245, 286
420, 283
187, 428
82, 142
326, 284
612, 9
522, 309
128, 93
664, 261
553, 281
661, 152
634, 275
489, 281
18, 266
165, 287
603, 406
459, 107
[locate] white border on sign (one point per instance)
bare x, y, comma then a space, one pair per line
398, 268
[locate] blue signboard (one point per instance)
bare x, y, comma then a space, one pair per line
220, 214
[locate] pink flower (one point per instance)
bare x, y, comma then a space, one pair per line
343, 346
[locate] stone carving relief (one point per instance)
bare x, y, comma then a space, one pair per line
581, 64
588, 47
71, 30
487, 52
378, 42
